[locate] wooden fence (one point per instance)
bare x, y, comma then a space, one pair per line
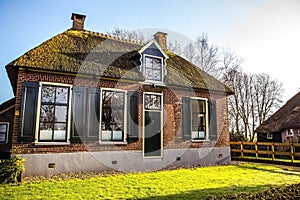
263, 150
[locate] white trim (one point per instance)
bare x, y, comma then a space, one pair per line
7, 132
37, 123
125, 117
161, 125
206, 119
290, 132
156, 44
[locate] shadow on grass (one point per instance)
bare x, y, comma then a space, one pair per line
208, 192
269, 170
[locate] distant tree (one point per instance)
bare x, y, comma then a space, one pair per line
128, 34
256, 97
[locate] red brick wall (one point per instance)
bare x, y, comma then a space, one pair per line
172, 115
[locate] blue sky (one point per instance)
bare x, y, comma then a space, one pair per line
264, 32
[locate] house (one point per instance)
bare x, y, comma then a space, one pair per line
283, 125
87, 101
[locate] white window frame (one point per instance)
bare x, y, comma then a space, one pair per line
7, 131
269, 136
206, 120
290, 132
161, 124
125, 117
162, 69
36, 141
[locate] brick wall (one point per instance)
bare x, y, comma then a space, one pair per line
171, 112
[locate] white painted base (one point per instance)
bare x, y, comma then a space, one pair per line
130, 161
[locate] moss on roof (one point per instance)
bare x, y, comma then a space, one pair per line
87, 52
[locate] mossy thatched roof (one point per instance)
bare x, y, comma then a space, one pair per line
87, 52
288, 116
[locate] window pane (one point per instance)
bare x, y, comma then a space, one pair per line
157, 75
153, 68
106, 119
198, 106
118, 118
156, 63
48, 94
60, 131
62, 95
118, 99
60, 113
47, 113
149, 73
152, 102
198, 119
106, 98
46, 130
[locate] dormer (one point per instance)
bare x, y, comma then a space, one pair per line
153, 61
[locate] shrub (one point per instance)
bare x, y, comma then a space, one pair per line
11, 169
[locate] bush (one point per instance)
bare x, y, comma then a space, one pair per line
11, 169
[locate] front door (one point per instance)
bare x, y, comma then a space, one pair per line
152, 125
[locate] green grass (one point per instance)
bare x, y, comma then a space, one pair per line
197, 183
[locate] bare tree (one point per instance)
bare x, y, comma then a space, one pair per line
175, 47
189, 52
256, 96
127, 34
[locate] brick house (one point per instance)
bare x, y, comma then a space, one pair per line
283, 125
87, 101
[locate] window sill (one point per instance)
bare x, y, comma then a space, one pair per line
154, 83
112, 143
198, 141
52, 143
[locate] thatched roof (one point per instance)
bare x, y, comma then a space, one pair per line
288, 116
7, 105
87, 52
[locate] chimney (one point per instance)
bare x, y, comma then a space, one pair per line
161, 38
78, 21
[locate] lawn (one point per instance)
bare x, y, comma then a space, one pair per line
195, 183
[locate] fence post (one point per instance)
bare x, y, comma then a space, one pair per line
273, 152
292, 153
242, 153
256, 150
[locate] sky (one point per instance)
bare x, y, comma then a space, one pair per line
265, 33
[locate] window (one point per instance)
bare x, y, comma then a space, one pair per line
54, 113
152, 102
3, 132
112, 115
290, 132
199, 119
269, 136
153, 68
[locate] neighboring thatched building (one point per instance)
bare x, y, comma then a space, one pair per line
283, 125
131, 106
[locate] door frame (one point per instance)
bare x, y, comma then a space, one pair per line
161, 124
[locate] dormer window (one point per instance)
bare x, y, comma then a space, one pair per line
153, 68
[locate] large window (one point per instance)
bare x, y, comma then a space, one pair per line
199, 119
3, 132
54, 109
153, 68
112, 115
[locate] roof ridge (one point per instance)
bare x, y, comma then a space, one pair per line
112, 37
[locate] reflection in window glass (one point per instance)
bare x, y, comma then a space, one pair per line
152, 102
199, 117
54, 113
112, 121
153, 68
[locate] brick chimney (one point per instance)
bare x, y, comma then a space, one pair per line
161, 38
78, 21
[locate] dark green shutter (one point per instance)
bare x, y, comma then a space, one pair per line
186, 118
132, 116
213, 131
78, 114
29, 110
93, 111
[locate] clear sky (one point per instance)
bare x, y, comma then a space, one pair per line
266, 33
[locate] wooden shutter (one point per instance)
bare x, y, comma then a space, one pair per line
132, 116
213, 131
186, 118
93, 113
29, 111
78, 114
